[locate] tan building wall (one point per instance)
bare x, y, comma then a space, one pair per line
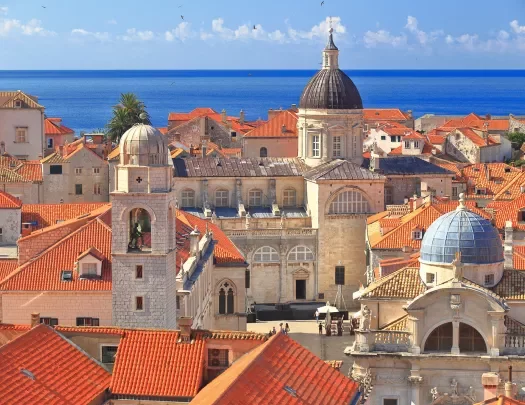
10, 220
17, 307
33, 121
29, 193
275, 147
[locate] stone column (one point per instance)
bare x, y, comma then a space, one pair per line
415, 381
455, 336
324, 144
282, 273
301, 135
497, 319
414, 317
272, 192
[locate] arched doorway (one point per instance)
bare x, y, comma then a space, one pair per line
140, 230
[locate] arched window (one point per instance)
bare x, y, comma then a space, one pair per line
188, 198
139, 230
300, 254
226, 298
263, 152
255, 198
266, 254
470, 340
222, 198
289, 198
349, 202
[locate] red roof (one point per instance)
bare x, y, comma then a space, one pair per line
42, 367
31, 170
508, 211
50, 214
53, 126
476, 138
181, 118
280, 371
274, 127
501, 400
475, 121
154, 363
7, 266
393, 114
45, 272
7, 201
225, 251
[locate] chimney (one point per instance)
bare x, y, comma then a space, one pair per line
490, 383
204, 147
176, 136
185, 323
486, 132
272, 113
194, 242
241, 117
224, 116
283, 129
409, 113
294, 107
35, 319
508, 246
510, 388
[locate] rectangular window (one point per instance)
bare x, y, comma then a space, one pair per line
78, 170
407, 144
454, 191
89, 269
383, 137
108, 354
336, 146
49, 321
221, 198
21, 135
416, 235
416, 144
431, 277
340, 275
389, 401
50, 143
96, 170
366, 127
255, 198
78, 189
316, 146
55, 169
489, 279
218, 358
188, 198
289, 198
393, 138
87, 322
247, 279
139, 303
177, 300
97, 189
389, 196
138, 271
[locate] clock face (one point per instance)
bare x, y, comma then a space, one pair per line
194, 128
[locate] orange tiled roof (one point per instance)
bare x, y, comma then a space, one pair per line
493, 177
399, 324
45, 272
63, 374
31, 170
9, 332
50, 214
155, 363
225, 251
512, 189
234, 122
274, 127
404, 283
261, 376
477, 139
7, 266
394, 128
436, 139
7, 201
518, 258
501, 400
475, 121
508, 211
384, 114
163, 130
114, 154
53, 126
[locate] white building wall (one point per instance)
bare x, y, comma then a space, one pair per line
33, 120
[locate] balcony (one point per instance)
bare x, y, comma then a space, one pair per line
271, 233
381, 341
514, 344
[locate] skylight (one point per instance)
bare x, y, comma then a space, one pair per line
67, 275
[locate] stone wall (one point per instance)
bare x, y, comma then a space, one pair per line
10, 225
275, 147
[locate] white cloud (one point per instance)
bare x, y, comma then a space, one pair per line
412, 26
182, 32
205, 35
4, 10
132, 34
318, 31
382, 37
243, 32
32, 28
517, 28
112, 22
82, 33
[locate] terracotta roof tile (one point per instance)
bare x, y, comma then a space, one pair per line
7, 201
399, 324
31, 170
53, 126
45, 272
384, 114
53, 361
9, 332
501, 400
7, 266
50, 214
11, 176
493, 177
114, 154
54, 158
341, 170
436, 139
518, 258
476, 138
404, 283
155, 363
274, 127
511, 189
177, 119
475, 121
262, 376
8, 98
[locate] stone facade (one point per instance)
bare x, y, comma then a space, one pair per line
11, 226
275, 147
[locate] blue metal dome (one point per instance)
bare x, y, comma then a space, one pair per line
461, 231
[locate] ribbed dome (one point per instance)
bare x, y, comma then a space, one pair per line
461, 231
143, 145
331, 89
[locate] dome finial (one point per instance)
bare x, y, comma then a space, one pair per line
461, 206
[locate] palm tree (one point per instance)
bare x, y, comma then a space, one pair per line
128, 112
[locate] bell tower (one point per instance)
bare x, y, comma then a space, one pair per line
143, 225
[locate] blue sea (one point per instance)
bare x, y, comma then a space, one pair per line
84, 98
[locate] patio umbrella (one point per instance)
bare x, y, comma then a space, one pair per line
327, 309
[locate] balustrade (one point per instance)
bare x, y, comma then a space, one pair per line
382, 341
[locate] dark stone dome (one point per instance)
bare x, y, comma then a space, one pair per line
331, 89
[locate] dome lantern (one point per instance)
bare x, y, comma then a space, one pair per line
143, 145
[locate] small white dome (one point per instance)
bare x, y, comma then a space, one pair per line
143, 145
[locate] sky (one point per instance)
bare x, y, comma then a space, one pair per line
288, 34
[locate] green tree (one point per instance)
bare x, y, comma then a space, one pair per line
516, 137
128, 112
